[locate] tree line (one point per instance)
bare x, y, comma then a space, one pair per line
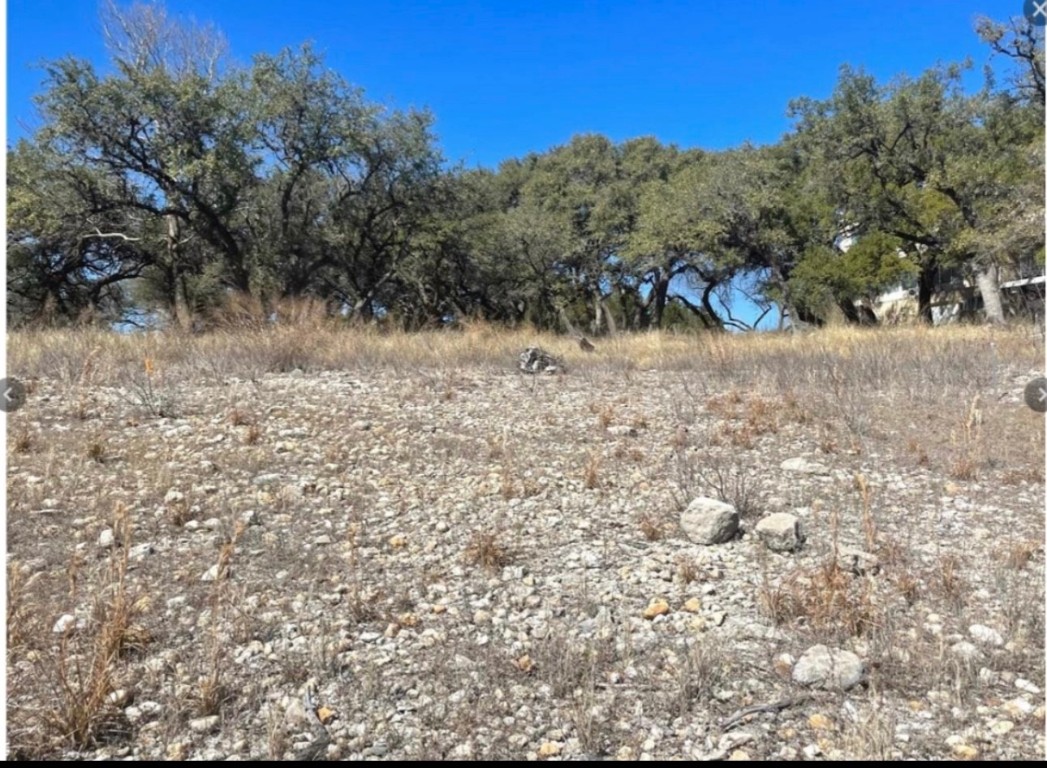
181, 179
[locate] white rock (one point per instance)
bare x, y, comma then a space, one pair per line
828, 668
106, 538
780, 532
203, 724
709, 521
1025, 685
965, 650
804, 466
65, 623
985, 635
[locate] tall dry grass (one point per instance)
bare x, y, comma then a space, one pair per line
847, 362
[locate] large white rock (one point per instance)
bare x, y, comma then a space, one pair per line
709, 521
824, 667
780, 532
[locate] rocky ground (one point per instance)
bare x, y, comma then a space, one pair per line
470, 562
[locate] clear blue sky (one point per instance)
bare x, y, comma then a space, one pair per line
506, 78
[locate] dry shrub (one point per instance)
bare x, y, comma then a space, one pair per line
240, 418
95, 451
84, 668
947, 579
486, 550
253, 435
23, 440
1017, 555
652, 526
824, 597
686, 569
591, 472
964, 468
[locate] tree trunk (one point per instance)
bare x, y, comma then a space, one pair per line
180, 299
598, 313
987, 280
857, 314
661, 292
925, 293
707, 304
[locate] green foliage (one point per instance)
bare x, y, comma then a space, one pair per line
180, 178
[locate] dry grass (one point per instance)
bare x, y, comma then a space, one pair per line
83, 667
23, 440
824, 598
486, 550
894, 409
591, 470
653, 526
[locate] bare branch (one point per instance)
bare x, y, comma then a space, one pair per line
121, 235
143, 38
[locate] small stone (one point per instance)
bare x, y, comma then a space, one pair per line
965, 650
694, 605
176, 750
1017, 708
296, 714
106, 538
212, 574
820, 722
985, 635
658, 607
804, 466
397, 541
361, 425
174, 497
1026, 685
462, 751
66, 622
550, 749
1000, 727
203, 724
965, 752
739, 754
139, 551
322, 540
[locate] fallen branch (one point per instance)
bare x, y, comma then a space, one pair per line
777, 706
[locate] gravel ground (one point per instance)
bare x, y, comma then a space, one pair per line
475, 563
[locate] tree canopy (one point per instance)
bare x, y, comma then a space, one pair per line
180, 179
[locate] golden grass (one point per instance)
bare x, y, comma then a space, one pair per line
87, 357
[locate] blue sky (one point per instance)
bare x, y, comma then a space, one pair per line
507, 78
